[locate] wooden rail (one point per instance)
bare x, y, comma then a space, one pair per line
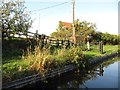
44, 39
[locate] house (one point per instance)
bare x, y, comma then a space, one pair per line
66, 25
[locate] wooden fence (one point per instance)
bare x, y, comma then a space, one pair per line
44, 39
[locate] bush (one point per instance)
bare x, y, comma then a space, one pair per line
62, 57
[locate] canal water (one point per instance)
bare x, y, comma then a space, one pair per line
104, 75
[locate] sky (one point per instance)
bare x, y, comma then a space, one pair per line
104, 13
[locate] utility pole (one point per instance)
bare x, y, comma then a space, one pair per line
39, 23
73, 25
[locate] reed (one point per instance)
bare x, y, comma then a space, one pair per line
37, 59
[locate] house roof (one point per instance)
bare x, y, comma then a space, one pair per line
66, 24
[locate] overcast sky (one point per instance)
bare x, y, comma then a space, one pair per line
102, 12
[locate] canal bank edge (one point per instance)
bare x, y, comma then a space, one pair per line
102, 58
35, 78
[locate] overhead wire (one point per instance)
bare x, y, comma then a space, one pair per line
49, 7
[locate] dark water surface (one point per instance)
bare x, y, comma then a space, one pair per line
103, 75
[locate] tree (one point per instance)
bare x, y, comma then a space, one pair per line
110, 38
61, 32
97, 37
14, 19
82, 29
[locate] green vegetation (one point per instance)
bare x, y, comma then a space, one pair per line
108, 62
82, 30
94, 52
13, 49
20, 61
14, 18
42, 60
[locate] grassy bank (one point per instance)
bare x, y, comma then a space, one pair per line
42, 60
94, 51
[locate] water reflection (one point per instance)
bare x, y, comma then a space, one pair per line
98, 76
103, 75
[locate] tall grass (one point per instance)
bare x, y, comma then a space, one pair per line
37, 59
41, 61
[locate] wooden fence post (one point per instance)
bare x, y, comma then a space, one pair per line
101, 47
57, 43
61, 43
68, 44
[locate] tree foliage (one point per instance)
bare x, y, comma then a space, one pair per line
14, 19
110, 38
107, 38
82, 30
61, 32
